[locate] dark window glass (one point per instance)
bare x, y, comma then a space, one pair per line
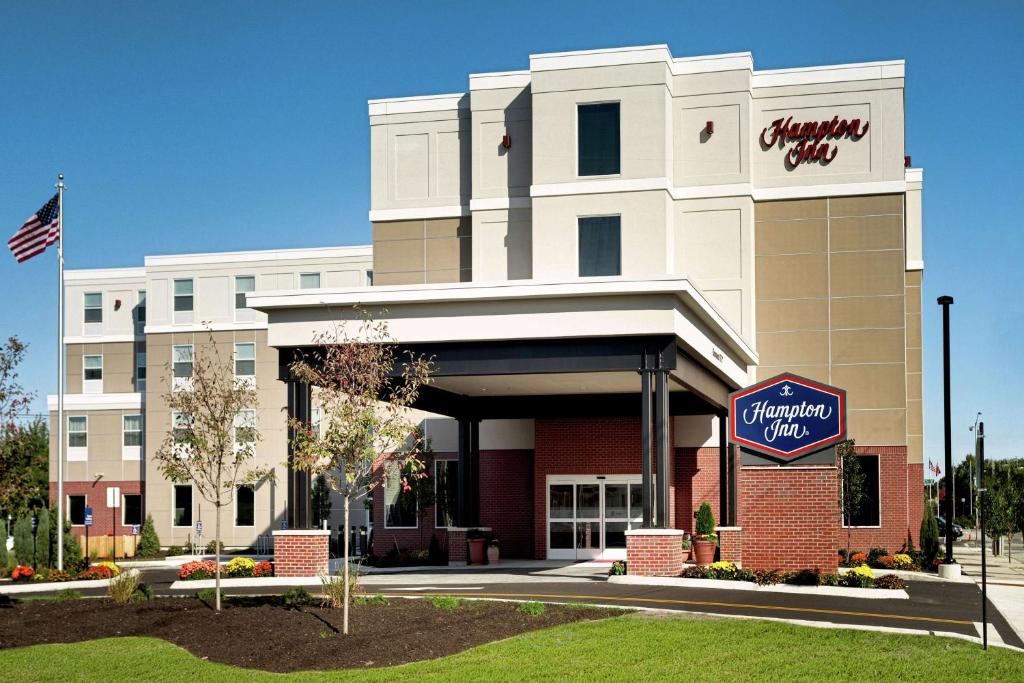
132, 509
140, 309
243, 285
76, 509
400, 506
93, 307
600, 246
598, 138
183, 295
446, 491
868, 514
245, 506
183, 505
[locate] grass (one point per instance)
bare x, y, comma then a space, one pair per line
532, 608
625, 648
446, 602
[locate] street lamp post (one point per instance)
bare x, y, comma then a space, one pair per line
946, 302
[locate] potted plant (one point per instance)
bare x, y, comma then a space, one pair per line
705, 540
492, 551
687, 549
476, 542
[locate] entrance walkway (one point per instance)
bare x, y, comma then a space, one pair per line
506, 571
1005, 582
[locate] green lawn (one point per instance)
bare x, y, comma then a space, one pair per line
626, 648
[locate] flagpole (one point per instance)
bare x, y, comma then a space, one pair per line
60, 372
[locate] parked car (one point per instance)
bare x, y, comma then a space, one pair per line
958, 530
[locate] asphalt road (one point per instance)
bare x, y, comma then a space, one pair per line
937, 607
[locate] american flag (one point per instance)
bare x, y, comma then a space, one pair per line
40, 231
934, 468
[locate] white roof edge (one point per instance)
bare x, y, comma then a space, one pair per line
914, 175
499, 79
133, 273
96, 401
258, 255
833, 73
731, 61
418, 103
641, 54
475, 291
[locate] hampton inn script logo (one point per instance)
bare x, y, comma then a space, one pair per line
809, 138
787, 416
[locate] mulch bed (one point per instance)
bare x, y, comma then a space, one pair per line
261, 633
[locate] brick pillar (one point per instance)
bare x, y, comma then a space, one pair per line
301, 552
654, 552
730, 544
457, 550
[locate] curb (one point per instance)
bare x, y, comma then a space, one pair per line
718, 584
48, 586
247, 582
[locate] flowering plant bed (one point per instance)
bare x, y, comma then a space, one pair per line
22, 573
857, 577
238, 567
102, 570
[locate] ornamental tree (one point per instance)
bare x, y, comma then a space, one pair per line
367, 435
213, 435
24, 451
851, 487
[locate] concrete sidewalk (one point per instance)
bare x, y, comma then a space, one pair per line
1005, 582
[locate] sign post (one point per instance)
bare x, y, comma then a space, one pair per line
88, 523
982, 495
113, 502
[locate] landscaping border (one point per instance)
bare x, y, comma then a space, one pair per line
720, 584
47, 586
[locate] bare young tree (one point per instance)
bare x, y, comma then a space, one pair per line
851, 487
213, 435
366, 435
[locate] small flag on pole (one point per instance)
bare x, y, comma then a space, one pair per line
40, 231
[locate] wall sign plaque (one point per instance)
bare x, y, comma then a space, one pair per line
808, 138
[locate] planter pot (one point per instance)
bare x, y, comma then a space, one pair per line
704, 552
492, 554
476, 550
688, 554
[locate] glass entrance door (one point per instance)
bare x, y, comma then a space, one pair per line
588, 516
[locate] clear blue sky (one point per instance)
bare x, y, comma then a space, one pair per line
203, 126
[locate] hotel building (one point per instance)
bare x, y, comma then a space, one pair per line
596, 251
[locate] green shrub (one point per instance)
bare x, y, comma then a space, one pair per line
767, 577
929, 537
67, 595
149, 542
854, 580
43, 539
23, 540
829, 579
123, 586
705, 525
372, 600
804, 577
874, 554
74, 562
175, 550
211, 548
449, 603
143, 593
618, 568
532, 608
3, 548
207, 595
889, 582
333, 591
297, 597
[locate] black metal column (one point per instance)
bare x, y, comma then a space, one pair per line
661, 425
467, 508
646, 469
724, 503
945, 302
300, 505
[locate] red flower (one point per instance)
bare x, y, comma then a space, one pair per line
263, 568
22, 573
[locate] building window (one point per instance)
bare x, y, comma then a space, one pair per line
131, 429
243, 285
600, 246
446, 491
245, 359
245, 506
183, 295
182, 505
369, 278
76, 510
140, 371
245, 427
92, 374
399, 506
182, 359
140, 308
78, 431
597, 138
94, 307
870, 512
309, 281
131, 509
181, 426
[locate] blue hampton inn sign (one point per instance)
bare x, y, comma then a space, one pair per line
787, 416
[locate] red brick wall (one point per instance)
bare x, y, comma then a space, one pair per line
506, 505
730, 544
789, 516
696, 478
300, 555
654, 555
897, 517
95, 493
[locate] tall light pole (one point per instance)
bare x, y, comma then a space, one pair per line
946, 302
974, 464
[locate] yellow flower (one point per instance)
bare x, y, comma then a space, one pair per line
902, 561
864, 570
240, 563
723, 565
114, 569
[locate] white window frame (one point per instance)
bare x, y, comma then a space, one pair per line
78, 453
67, 503
877, 457
92, 328
142, 510
319, 281
234, 512
92, 386
183, 383
576, 140
183, 317
131, 452
239, 422
577, 242
249, 380
174, 505
416, 515
244, 314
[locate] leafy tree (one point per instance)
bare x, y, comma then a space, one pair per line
14, 400
211, 445
929, 536
423, 488
24, 466
73, 560
3, 548
23, 540
321, 501
366, 435
851, 486
42, 539
149, 542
